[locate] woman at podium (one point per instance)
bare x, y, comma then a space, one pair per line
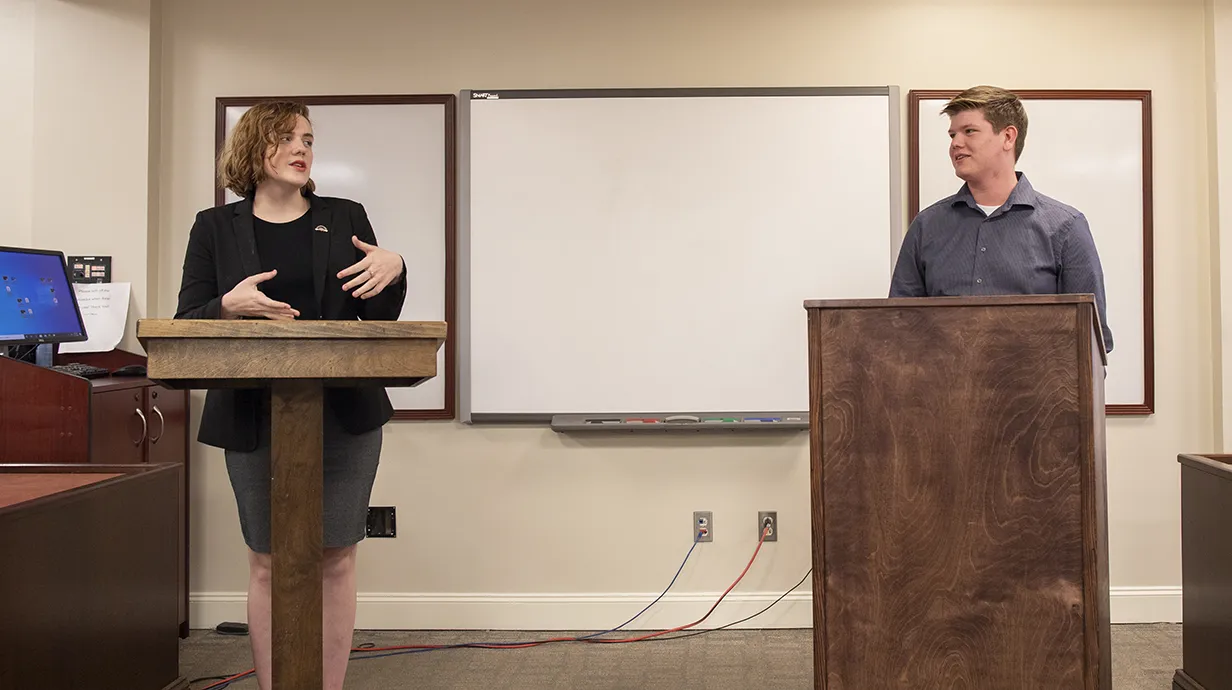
282, 252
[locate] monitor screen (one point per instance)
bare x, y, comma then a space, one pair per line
37, 303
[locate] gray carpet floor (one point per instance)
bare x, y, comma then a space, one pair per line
1144, 657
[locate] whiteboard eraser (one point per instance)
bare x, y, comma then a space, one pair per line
683, 418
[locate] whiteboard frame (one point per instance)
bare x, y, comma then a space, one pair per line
896, 227
448, 103
915, 97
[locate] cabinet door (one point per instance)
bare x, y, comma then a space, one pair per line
118, 426
167, 413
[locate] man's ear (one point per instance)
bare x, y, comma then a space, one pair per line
1010, 135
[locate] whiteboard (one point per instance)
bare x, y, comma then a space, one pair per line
393, 154
1090, 150
627, 251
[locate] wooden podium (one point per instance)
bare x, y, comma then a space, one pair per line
1206, 572
959, 501
296, 360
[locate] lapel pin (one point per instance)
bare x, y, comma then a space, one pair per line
322, 228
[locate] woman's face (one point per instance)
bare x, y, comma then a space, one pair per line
290, 162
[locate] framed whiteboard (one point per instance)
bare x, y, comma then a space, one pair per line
396, 155
647, 252
1091, 150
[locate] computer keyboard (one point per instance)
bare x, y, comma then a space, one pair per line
85, 371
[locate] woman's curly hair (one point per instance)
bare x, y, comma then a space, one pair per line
241, 163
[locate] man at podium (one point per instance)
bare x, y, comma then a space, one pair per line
285, 253
997, 235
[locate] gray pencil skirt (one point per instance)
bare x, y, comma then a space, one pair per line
349, 469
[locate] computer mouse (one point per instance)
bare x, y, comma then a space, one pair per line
130, 370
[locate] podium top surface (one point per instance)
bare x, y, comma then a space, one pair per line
981, 301
966, 301
251, 328
212, 353
1217, 464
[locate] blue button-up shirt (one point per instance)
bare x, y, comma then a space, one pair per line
1031, 245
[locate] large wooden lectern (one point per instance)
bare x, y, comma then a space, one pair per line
297, 360
959, 519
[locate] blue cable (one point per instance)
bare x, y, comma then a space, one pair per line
679, 570
669, 586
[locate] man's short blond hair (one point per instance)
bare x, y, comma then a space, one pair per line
1000, 107
241, 164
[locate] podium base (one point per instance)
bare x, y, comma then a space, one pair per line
296, 606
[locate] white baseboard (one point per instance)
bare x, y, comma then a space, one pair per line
1146, 604
603, 611
539, 611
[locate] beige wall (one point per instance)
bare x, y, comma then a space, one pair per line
491, 517
524, 528
86, 144
1219, 128
16, 119
111, 136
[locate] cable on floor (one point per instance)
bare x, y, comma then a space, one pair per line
367, 651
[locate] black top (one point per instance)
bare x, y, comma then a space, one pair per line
287, 248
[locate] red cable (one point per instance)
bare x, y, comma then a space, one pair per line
232, 679
550, 640
699, 620
591, 640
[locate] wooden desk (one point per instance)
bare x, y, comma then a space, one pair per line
1206, 578
88, 584
50, 417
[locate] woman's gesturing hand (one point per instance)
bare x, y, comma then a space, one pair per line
376, 271
245, 299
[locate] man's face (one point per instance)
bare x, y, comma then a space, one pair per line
975, 150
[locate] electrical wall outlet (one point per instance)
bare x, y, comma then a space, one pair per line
703, 526
768, 519
382, 522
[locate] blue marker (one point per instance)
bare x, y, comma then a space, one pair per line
762, 419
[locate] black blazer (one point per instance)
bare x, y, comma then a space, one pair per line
222, 251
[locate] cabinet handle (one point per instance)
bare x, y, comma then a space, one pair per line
144, 426
162, 425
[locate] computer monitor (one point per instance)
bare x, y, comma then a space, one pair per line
37, 304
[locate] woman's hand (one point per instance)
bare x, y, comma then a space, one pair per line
376, 271
246, 300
